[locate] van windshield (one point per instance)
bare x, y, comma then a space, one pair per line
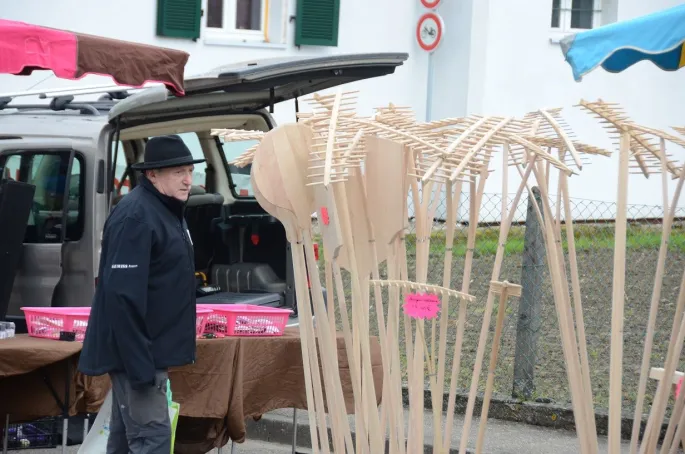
240, 176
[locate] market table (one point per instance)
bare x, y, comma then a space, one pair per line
233, 379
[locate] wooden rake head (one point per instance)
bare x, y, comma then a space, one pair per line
646, 155
550, 130
335, 144
240, 135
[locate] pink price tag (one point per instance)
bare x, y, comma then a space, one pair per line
422, 305
677, 388
324, 216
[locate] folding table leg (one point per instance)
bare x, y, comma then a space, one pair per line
86, 422
294, 430
6, 436
65, 431
65, 418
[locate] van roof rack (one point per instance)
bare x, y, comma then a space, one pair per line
62, 98
62, 103
87, 90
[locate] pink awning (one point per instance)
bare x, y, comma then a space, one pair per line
25, 48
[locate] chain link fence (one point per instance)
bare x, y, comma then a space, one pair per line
531, 362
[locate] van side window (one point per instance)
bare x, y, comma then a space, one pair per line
122, 180
48, 172
11, 168
240, 176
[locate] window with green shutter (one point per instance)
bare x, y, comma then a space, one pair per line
179, 18
316, 23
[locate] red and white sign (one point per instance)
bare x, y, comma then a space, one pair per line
429, 31
430, 4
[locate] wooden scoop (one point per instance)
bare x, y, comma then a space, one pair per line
272, 209
384, 202
265, 163
385, 169
354, 192
282, 159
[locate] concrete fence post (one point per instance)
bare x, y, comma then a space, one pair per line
528, 324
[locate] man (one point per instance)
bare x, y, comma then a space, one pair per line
143, 317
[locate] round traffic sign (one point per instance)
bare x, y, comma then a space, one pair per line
429, 31
430, 4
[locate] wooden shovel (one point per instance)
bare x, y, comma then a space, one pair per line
332, 241
314, 397
382, 202
284, 152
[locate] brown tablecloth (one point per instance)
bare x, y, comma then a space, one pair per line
233, 379
28, 364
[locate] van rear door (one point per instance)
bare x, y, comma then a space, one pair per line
252, 85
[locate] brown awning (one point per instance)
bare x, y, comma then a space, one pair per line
25, 48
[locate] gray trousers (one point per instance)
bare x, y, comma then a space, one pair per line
140, 418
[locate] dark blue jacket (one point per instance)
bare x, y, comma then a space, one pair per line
143, 314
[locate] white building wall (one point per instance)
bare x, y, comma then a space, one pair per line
525, 71
451, 62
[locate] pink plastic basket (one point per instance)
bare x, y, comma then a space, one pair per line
47, 322
201, 320
246, 320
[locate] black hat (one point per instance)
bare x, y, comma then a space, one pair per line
166, 151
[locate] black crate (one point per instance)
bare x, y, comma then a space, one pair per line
42, 433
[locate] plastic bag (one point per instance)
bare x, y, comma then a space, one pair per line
174, 410
96, 440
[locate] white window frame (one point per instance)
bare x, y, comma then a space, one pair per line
565, 17
229, 31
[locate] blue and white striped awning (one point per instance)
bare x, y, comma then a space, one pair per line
657, 37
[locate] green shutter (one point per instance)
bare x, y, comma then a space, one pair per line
317, 22
179, 18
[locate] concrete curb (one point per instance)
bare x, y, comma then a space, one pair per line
279, 430
541, 414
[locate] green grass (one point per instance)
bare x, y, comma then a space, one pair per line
586, 238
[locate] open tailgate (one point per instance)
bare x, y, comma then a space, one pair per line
254, 85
